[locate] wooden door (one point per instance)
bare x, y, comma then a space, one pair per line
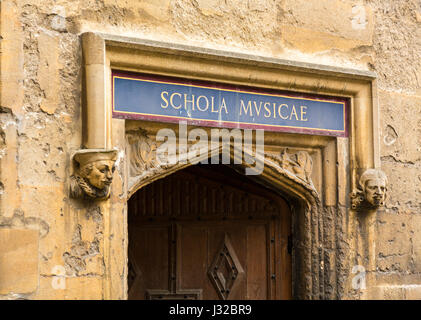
207, 232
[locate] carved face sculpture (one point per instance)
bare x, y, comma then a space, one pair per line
94, 174
373, 183
100, 173
375, 192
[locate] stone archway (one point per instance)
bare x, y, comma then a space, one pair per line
284, 174
333, 235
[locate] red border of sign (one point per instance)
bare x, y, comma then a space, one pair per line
218, 85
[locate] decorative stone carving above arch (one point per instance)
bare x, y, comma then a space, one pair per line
292, 168
142, 152
298, 165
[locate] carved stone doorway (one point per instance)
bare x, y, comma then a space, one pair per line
208, 232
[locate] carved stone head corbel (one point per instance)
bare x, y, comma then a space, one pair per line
372, 191
93, 174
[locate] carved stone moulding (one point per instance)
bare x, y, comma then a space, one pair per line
144, 162
299, 164
371, 193
93, 175
142, 152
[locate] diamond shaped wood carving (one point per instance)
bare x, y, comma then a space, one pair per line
225, 271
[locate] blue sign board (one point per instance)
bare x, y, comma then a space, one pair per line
165, 99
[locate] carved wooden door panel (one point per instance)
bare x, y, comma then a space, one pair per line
207, 232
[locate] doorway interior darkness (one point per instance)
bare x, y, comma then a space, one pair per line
208, 232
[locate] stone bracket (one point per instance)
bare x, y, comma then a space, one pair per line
371, 193
93, 176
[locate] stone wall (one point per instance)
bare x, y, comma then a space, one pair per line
41, 121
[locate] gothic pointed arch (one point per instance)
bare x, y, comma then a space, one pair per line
286, 173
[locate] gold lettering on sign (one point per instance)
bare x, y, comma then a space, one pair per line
280, 111
293, 112
164, 93
303, 113
223, 106
172, 102
243, 107
186, 101
205, 104
267, 110
257, 109
213, 110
